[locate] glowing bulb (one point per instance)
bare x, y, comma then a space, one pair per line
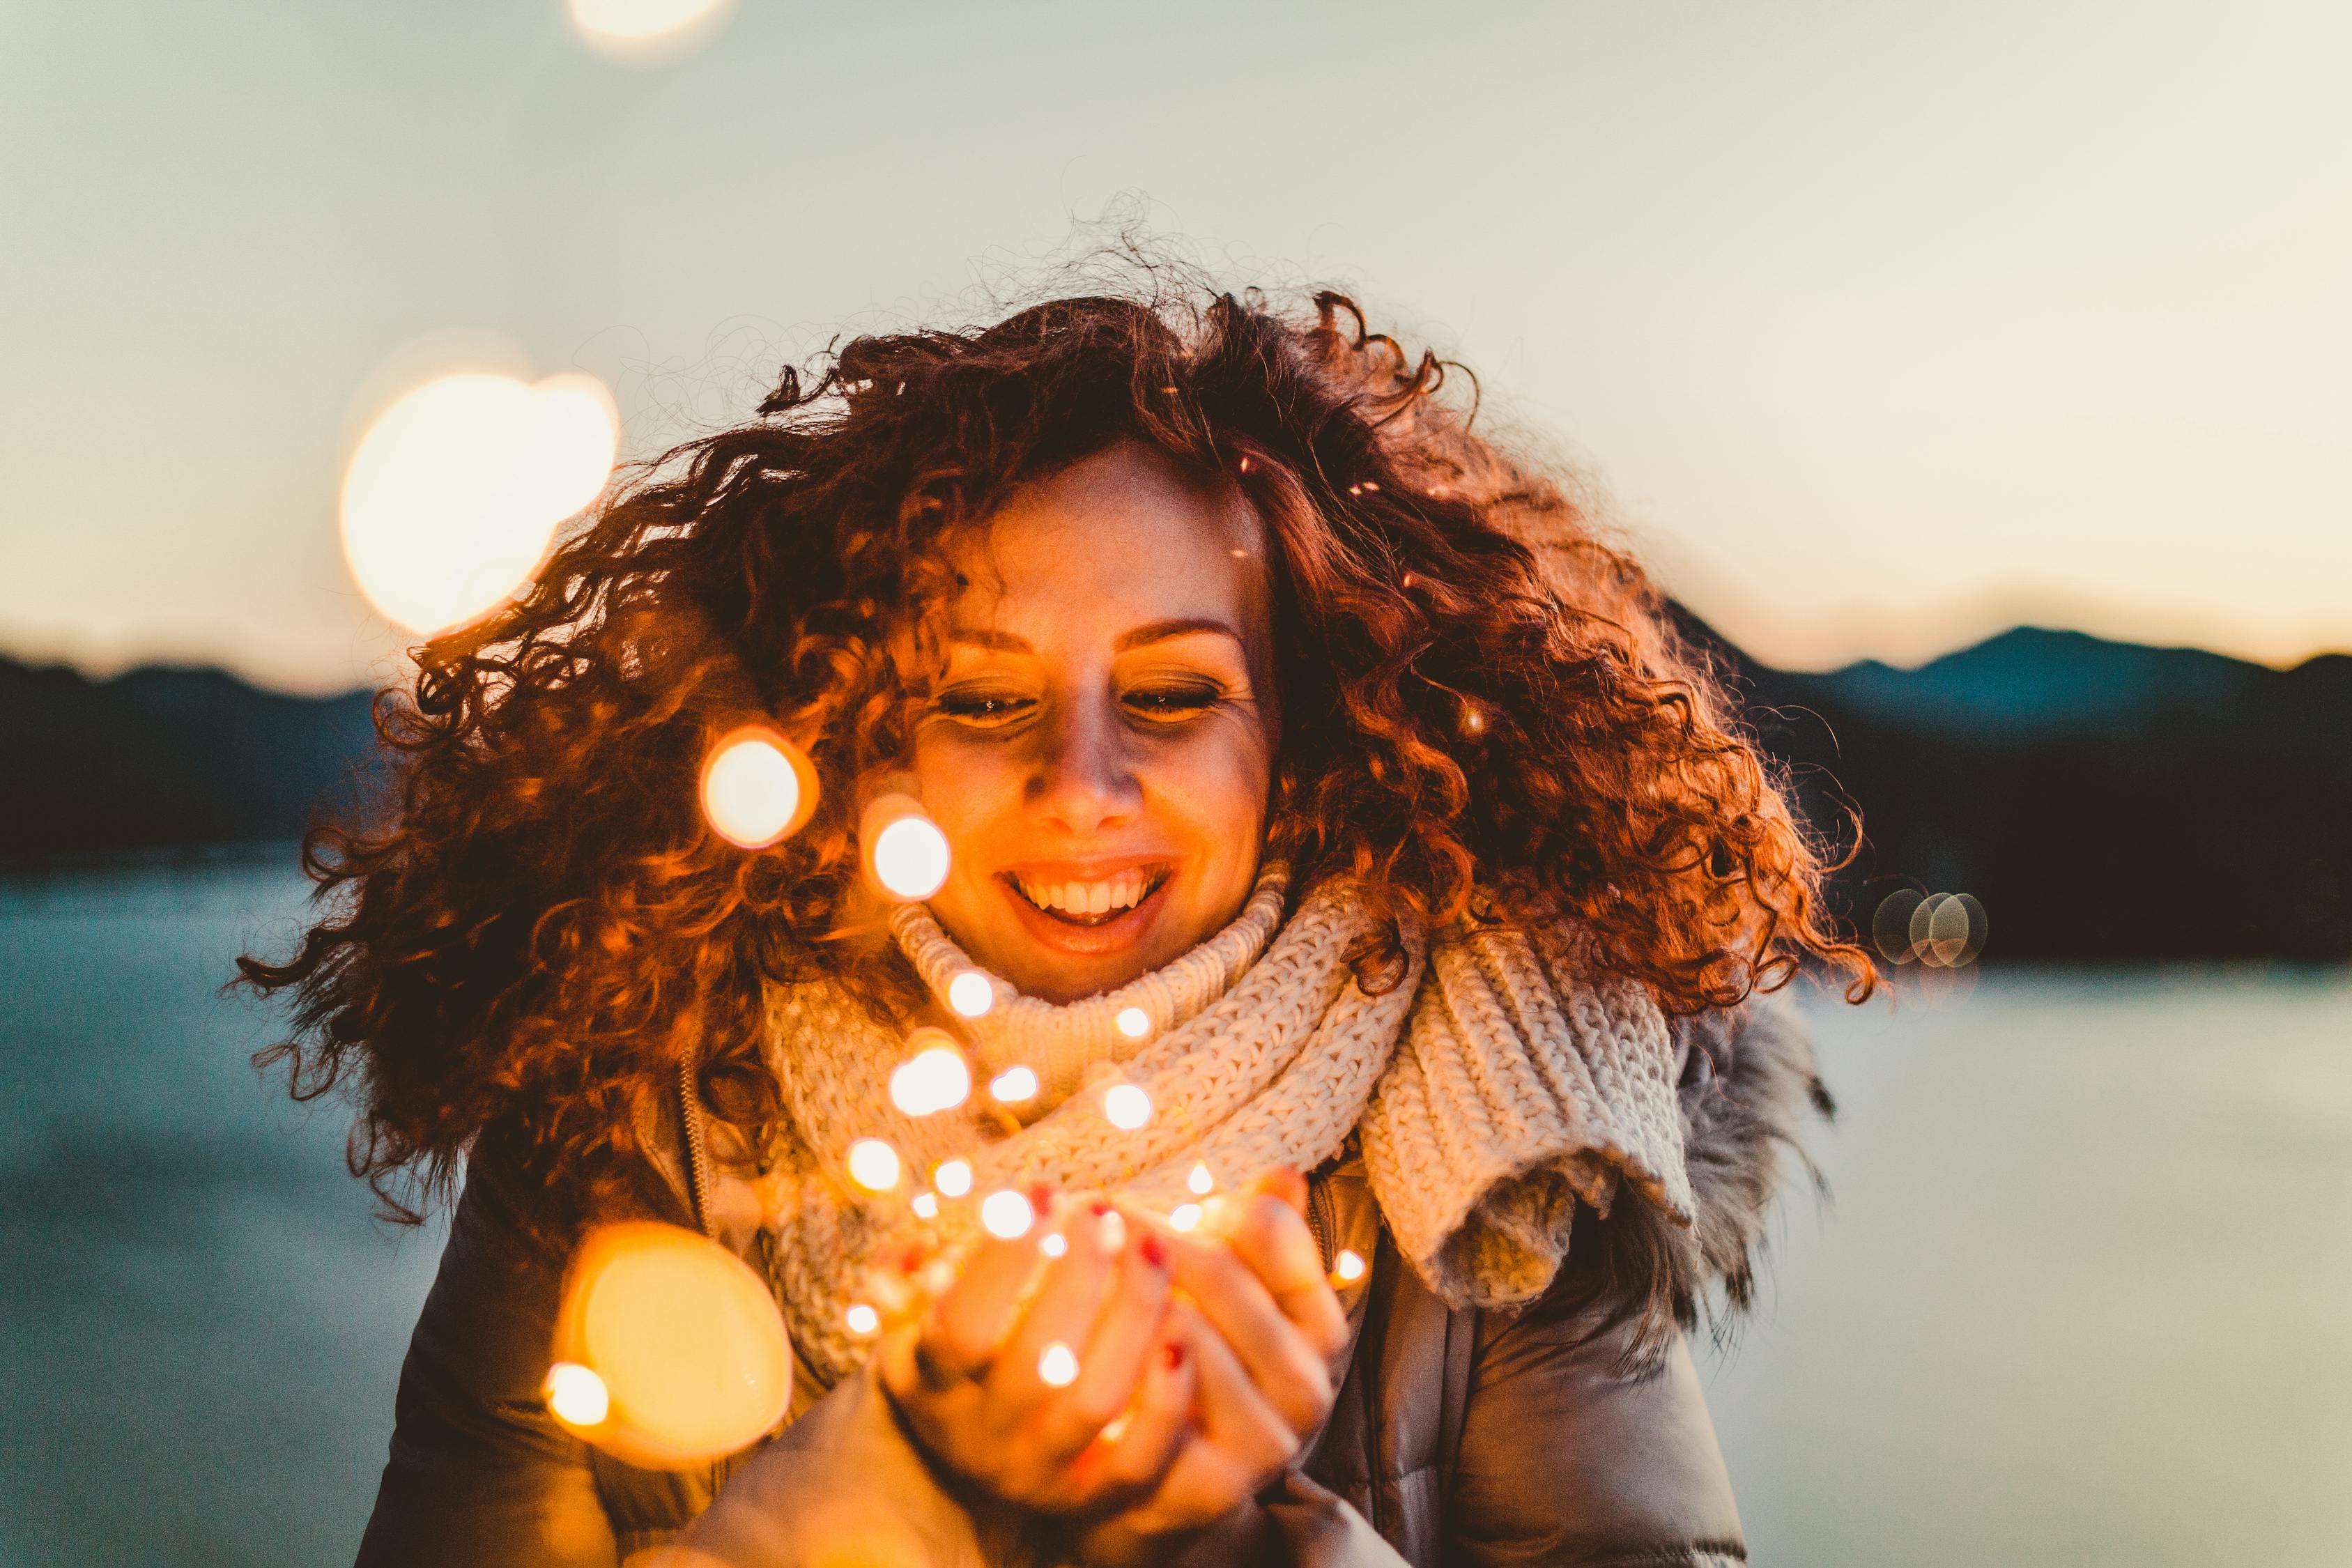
1184, 1216
934, 1078
1110, 1234
971, 995
1133, 1022
1054, 1244
1348, 1269
1057, 1367
1126, 1107
577, 1395
874, 1163
647, 32
905, 848
757, 788
1013, 1085
1006, 1214
456, 491
862, 1318
953, 1177
925, 1204
1200, 1183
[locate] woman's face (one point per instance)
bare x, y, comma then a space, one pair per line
1100, 746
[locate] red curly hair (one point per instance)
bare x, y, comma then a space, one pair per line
1474, 688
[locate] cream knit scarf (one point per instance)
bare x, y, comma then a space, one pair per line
1489, 1090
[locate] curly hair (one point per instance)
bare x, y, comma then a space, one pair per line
1478, 692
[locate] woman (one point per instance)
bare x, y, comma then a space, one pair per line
1305, 761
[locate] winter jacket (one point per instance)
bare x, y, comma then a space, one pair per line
1573, 1432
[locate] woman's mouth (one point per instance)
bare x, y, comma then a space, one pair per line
1088, 904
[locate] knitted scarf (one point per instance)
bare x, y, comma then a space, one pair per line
1488, 1090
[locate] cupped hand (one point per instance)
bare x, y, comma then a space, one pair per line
971, 1378
1261, 1325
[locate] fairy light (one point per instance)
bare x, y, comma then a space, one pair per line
757, 788
935, 1079
862, 1318
1184, 1216
1006, 1214
926, 1205
1013, 1085
1057, 1367
1110, 1234
577, 1395
1349, 1268
971, 995
907, 851
1054, 1244
874, 1164
1201, 1184
954, 1178
1127, 1107
1133, 1022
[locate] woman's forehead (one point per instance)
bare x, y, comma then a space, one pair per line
1120, 542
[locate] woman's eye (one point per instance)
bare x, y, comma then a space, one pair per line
1172, 701
983, 708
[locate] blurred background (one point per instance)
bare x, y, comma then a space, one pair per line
1972, 374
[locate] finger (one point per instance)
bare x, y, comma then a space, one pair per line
1292, 1373
1061, 1314
1127, 1333
1283, 1184
1131, 1453
1235, 1418
1270, 1237
971, 1319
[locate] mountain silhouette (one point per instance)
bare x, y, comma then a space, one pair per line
2104, 801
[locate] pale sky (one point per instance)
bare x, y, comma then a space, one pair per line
1881, 326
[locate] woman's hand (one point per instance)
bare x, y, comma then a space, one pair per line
1262, 1324
967, 1378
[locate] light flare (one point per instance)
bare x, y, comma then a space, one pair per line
1127, 1107
905, 849
1013, 1085
1349, 1268
935, 1079
576, 1396
1006, 1214
758, 788
954, 1178
862, 1318
874, 1164
1133, 1022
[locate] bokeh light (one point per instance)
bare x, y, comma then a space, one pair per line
1127, 1107
1058, 1365
874, 1164
971, 995
1184, 1216
576, 1396
758, 788
1349, 1268
1054, 1244
935, 1079
925, 1205
861, 1319
1938, 931
648, 32
455, 493
1006, 1214
1133, 1022
682, 1337
1013, 1085
1201, 1182
907, 851
953, 1177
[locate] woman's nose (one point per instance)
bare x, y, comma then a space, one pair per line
1083, 782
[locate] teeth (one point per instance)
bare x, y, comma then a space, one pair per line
1123, 891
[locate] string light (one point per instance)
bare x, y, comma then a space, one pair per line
935, 1079
1348, 1269
926, 1205
758, 788
1054, 1244
576, 1396
1013, 1085
1057, 1367
1126, 1107
1133, 1022
862, 1318
1201, 1184
1006, 1214
907, 851
1110, 1234
971, 995
953, 1177
874, 1164
1184, 1216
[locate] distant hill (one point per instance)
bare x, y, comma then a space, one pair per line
2104, 801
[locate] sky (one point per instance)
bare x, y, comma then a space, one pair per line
1874, 327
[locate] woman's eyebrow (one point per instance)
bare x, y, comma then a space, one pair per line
1161, 631
979, 636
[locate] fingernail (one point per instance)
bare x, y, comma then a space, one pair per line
1041, 1195
1111, 1232
1098, 1207
1154, 1250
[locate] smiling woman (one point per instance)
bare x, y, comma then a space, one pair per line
1352, 893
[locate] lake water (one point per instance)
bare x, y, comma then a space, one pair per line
2081, 1297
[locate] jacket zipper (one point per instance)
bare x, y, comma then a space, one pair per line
697, 1157
1318, 1221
